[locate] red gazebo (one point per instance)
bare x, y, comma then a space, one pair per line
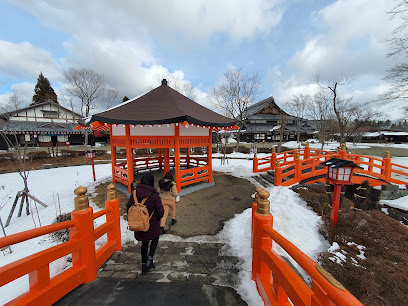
166, 120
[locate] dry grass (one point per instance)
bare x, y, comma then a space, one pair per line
99, 198
377, 273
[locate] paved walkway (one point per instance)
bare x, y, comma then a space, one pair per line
186, 273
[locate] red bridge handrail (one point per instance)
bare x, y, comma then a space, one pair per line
290, 167
276, 281
45, 290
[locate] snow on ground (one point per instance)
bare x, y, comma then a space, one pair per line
292, 218
330, 145
401, 203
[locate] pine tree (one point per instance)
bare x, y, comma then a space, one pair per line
43, 91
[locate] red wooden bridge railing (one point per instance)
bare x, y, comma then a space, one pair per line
294, 166
86, 260
277, 282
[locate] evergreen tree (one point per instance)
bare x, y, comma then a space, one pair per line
43, 91
125, 98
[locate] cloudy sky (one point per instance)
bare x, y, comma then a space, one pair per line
288, 42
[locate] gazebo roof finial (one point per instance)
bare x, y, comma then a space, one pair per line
164, 82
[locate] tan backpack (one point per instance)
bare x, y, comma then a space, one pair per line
138, 216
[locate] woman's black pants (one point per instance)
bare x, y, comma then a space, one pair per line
145, 248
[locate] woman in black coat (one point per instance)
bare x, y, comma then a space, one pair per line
153, 203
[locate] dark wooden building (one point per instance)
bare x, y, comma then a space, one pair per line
263, 123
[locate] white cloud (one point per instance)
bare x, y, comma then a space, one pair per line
177, 21
24, 60
351, 37
348, 39
122, 41
25, 91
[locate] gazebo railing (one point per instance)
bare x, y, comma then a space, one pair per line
121, 175
148, 163
196, 174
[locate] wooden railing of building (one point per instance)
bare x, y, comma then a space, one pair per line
196, 168
277, 282
86, 260
294, 166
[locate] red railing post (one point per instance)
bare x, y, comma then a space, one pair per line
113, 155
273, 159
160, 157
298, 167
129, 158
343, 152
278, 174
84, 232
254, 207
387, 166
113, 216
307, 151
255, 163
262, 217
209, 157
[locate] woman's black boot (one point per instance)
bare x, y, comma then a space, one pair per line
149, 262
162, 231
144, 269
173, 221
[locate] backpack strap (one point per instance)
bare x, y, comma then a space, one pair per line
143, 201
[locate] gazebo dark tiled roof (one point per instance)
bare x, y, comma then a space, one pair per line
162, 105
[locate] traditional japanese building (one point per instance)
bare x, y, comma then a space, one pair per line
165, 120
45, 124
263, 123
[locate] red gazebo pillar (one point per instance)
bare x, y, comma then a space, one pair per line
159, 151
188, 157
209, 156
166, 154
129, 157
113, 155
177, 157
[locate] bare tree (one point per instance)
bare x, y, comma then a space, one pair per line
399, 40
349, 117
20, 160
282, 127
398, 76
298, 107
357, 118
398, 44
237, 91
14, 103
88, 86
174, 81
338, 106
110, 98
320, 113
